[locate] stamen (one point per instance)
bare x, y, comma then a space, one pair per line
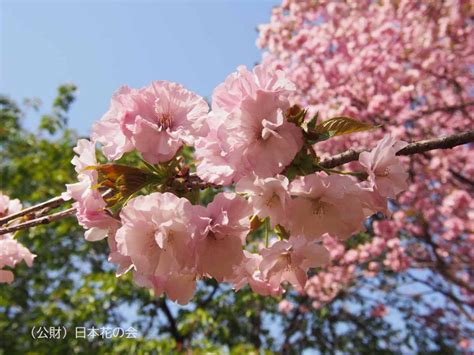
318, 207
272, 200
165, 121
383, 173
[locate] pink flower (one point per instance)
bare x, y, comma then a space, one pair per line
9, 206
156, 234
289, 260
464, 343
351, 256
179, 287
371, 200
11, 253
326, 204
269, 197
108, 132
156, 120
364, 75
248, 130
456, 200
89, 203
285, 306
244, 84
248, 272
385, 229
384, 168
379, 311
222, 228
167, 115
123, 262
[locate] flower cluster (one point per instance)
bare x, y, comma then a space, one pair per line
266, 229
11, 252
248, 130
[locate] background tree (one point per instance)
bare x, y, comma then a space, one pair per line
405, 65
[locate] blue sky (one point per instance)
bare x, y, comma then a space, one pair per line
103, 44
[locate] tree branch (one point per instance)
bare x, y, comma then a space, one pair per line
447, 142
45, 206
38, 221
173, 328
462, 178
452, 108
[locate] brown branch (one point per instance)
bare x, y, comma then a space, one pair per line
462, 178
173, 328
38, 221
447, 142
441, 265
194, 182
448, 109
45, 206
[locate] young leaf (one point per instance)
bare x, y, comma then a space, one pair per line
338, 126
311, 124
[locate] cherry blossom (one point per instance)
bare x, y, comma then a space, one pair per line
89, 202
11, 251
156, 120
8, 206
169, 243
290, 260
384, 168
222, 228
269, 197
108, 130
285, 306
325, 204
156, 235
248, 272
265, 219
248, 130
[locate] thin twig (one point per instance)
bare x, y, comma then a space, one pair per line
462, 178
447, 142
47, 205
173, 328
38, 221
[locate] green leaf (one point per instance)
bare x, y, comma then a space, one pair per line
149, 166
282, 232
311, 124
337, 126
302, 164
49, 123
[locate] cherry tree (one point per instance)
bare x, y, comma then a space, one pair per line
406, 66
